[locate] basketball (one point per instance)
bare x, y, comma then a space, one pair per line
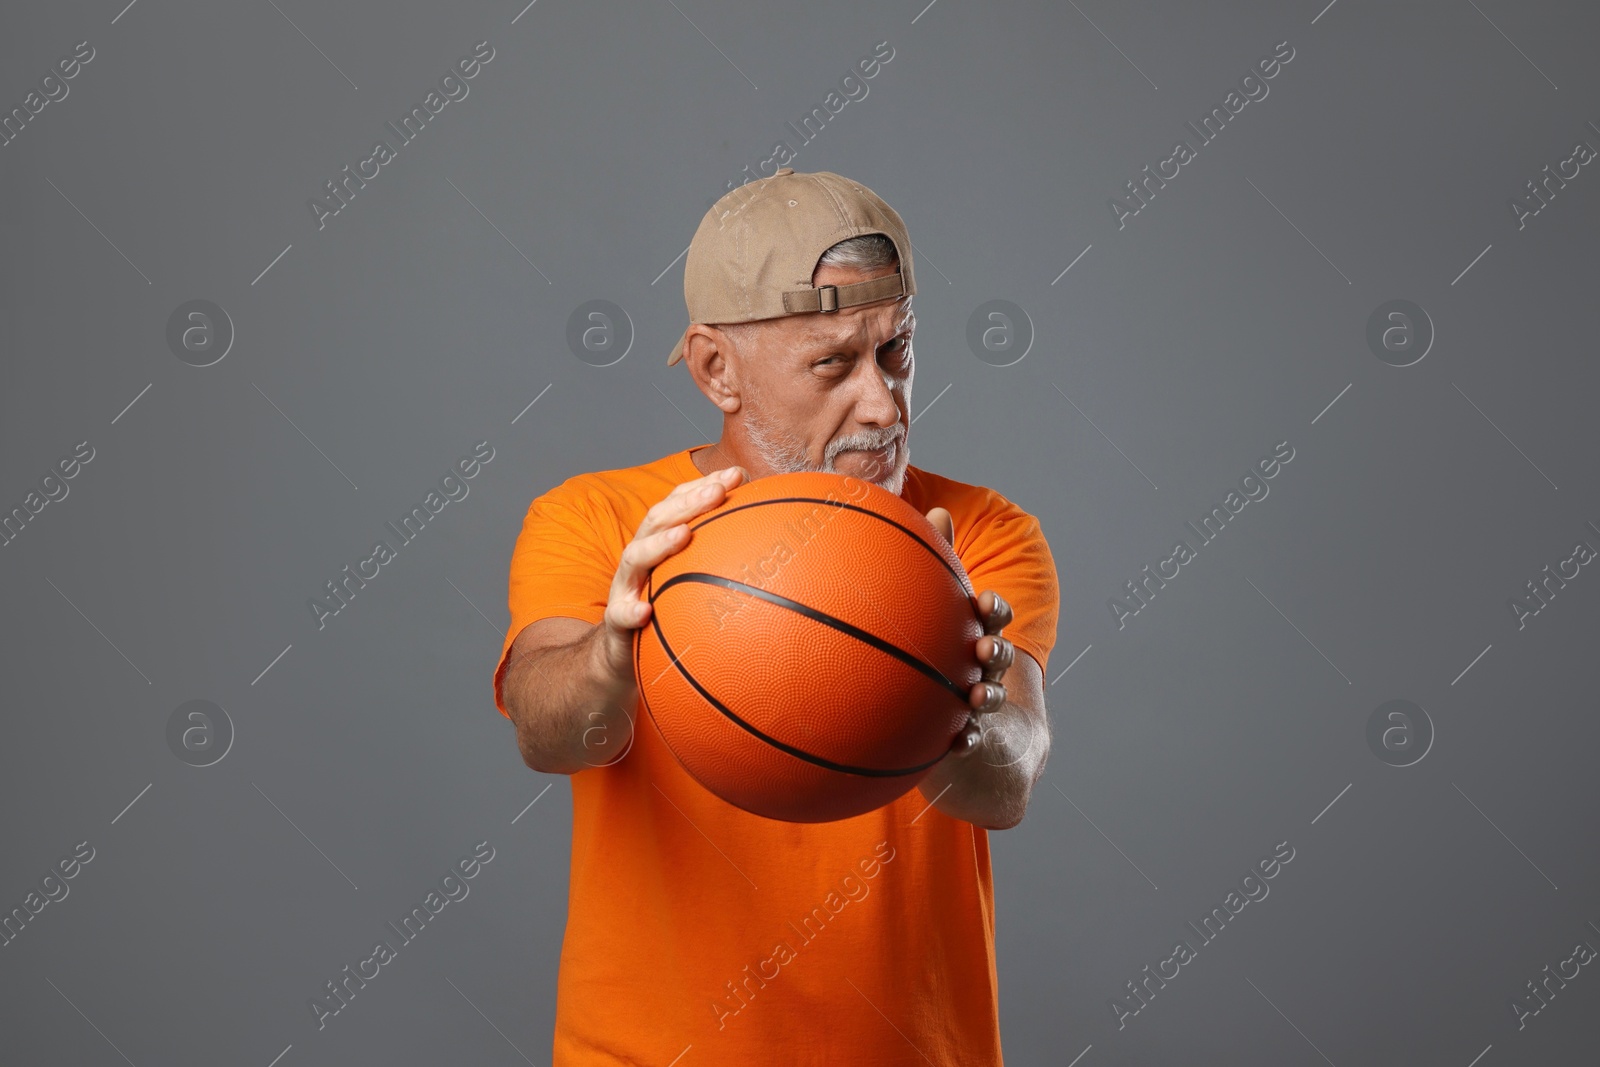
810, 650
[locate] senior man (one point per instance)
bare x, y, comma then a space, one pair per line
698, 933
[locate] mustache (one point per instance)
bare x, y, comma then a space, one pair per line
865, 442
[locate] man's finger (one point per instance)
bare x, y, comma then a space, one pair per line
966, 742
987, 696
1002, 654
999, 616
691, 499
943, 523
642, 554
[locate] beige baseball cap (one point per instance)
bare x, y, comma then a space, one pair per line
754, 251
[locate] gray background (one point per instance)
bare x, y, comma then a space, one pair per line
1224, 318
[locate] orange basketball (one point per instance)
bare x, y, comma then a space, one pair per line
810, 650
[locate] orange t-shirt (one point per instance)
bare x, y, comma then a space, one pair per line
700, 931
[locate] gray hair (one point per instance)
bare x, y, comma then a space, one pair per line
870, 251
867, 252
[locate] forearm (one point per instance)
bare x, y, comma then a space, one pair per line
569, 711
990, 786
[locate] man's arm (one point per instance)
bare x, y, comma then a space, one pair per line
568, 705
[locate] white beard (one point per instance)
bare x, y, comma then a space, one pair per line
781, 451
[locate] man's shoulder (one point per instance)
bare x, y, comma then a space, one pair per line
989, 526
621, 487
924, 489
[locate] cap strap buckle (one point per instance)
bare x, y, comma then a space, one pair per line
833, 297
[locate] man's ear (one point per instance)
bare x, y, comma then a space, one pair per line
943, 523
708, 354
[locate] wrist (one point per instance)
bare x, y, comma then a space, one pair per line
610, 662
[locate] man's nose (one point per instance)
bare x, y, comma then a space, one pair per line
877, 405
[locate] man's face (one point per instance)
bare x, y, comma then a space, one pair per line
831, 392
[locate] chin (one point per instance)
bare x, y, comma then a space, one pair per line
895, 481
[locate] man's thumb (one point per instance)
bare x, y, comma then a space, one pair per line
943, 523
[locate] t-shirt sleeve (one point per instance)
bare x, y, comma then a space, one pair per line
562, 565
1005, 550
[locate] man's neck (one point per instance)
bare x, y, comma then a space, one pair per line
709, 458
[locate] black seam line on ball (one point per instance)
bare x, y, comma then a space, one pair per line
931, 672
849, 507
800, 754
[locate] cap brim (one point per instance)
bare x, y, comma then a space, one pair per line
677, 349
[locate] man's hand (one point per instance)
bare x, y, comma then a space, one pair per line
992, 791
995, 653
664, 531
